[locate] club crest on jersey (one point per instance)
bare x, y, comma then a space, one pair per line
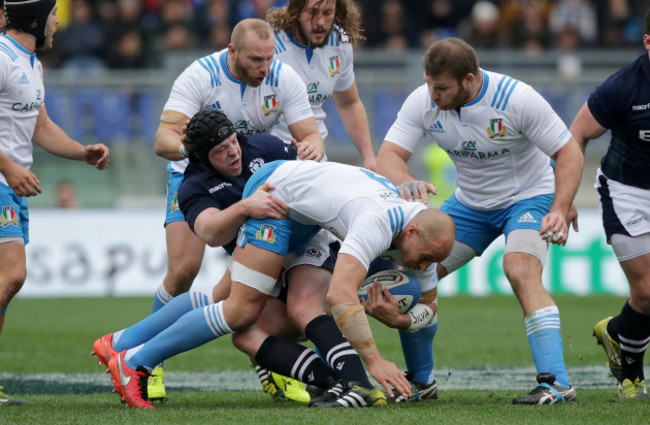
496, 128
255, 164
266, 234
8, 217
173, 206
335, 66
271, 104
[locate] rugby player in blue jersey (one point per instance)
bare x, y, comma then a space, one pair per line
622, 104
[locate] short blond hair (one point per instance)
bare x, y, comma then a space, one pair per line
261, 28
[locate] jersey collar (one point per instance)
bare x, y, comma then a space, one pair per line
21, 48
309, 52
486, 83
223, 60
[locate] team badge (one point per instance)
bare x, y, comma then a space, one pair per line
255, 164
335, 66
266, 234
8, 217
496, 128
271, 104
174, 204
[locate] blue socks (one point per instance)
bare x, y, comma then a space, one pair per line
418, 351
545, 339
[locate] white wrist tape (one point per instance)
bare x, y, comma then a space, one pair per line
421, 315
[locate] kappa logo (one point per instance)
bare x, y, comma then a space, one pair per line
124, 380
436, 128
527, 218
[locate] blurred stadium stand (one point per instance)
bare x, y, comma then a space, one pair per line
122, 108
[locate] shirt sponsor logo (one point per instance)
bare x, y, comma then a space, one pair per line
8, 217
313, 87
641, 107
644, 135
266, 233
469, 145
219, 187
496, 128
478, 155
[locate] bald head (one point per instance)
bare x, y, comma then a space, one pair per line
437, 229
248, 26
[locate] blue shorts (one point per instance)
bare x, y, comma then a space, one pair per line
173, 212
14, 214
279, 236
478, 229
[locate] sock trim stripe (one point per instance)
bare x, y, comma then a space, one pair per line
342, 346
540, 327
634, 341
198, 299
305, 364
214, 319
350, 352
630, 349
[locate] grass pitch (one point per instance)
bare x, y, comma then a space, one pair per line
481, 352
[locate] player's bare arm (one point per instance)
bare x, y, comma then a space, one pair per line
309, 140
349, 314
217, 227
354, 118
54, 140
169, 134
585, 127
568, 170
392, 162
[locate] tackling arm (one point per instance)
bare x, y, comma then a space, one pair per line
585, 127
354, 118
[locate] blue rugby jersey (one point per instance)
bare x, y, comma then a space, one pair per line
202, 189
622, 104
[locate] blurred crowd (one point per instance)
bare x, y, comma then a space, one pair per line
132, 34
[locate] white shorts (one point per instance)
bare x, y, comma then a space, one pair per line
625, 209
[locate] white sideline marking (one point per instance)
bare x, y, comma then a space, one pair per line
486, 378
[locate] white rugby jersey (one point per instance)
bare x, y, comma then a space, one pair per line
21, 97
207, 83
324, 70
358, 206
500, 142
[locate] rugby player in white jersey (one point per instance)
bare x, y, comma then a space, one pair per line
30, 25
501, 134
316, 38
254, 90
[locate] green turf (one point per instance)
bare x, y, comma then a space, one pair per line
56, 335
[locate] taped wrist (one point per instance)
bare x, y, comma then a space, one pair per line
421, 315
352, 320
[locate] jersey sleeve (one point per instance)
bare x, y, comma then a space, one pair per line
365, 240
193, 199
605, 102
188, 91
346, 79
274, 148
295, 102
409, 127
4, 70
539, 122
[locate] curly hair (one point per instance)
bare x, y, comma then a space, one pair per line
346, 17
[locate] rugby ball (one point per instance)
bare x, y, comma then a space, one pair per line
404, 287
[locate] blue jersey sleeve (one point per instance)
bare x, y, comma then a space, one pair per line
606, 102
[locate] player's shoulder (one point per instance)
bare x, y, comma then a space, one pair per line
630, 78
212, 65
500, 90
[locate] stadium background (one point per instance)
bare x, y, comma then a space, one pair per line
114, 63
